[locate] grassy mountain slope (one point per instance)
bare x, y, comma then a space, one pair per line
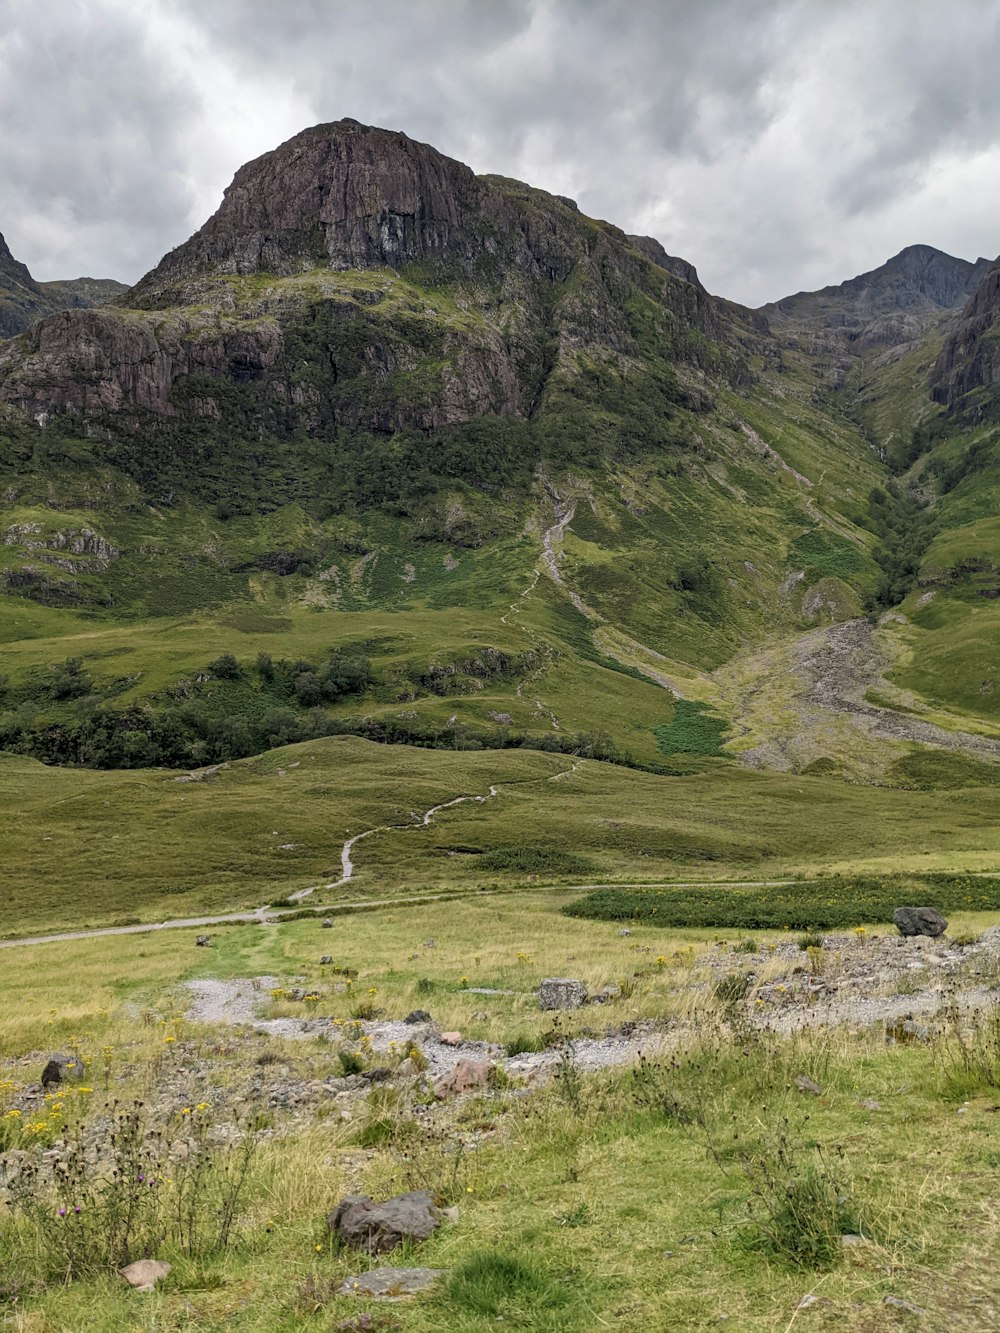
391, 450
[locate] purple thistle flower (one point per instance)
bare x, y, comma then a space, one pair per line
62, 1212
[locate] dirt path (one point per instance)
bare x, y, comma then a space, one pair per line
346, 861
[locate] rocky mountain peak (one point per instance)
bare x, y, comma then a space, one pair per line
342, 195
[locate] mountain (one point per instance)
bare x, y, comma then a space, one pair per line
515, 469
892, 304
23, 300
263, 299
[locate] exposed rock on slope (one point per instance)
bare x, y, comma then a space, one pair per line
892, 304
353, 278
23, 300
967, 373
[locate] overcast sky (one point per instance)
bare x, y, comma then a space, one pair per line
778, 144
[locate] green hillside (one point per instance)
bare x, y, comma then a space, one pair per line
496, 477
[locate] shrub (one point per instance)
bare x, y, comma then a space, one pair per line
525, 1043
824, 904
118, 1190
800, 1203
538, 860
350, 1062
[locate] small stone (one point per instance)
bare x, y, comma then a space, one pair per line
326, 923
467, 1076
624, 934
203, 942
561, 993
451, 1038
870, 1104
911, 921
326, 960
429, 944
807, 1300
805, 1084
898, 1303
417, 1016
145, 1273
851, 1241
387, 1284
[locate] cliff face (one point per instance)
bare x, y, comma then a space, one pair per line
354, 278
967, 373
23, 300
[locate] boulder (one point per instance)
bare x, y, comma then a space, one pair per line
466, 1076
561, 993
390, 1283
380, 1227
61, 1069
417, 1016
451, 1038
910, 921
145, 1273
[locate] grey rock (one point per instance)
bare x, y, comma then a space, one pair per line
391, 1283
204, 942
326, 960
561, 993
624, 934
910, 921
908, 1307
326, 923
805, 1084
379, 1227
145, 1273
417, 1016
61, 1069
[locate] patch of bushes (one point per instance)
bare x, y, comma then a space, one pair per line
524, 859
822, 904
693, 729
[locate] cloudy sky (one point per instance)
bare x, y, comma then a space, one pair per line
778, 144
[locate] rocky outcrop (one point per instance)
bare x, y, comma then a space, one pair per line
23, 300
479, 287
967, 373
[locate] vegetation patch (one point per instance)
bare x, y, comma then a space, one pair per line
822, 904
540, 859
694, 729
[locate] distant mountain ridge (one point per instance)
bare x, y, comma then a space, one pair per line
23, 300
889, 305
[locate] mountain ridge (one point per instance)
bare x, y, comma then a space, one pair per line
23, 300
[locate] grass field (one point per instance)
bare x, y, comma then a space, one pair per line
618, 1199
87, 848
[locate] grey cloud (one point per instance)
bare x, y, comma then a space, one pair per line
778, 144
